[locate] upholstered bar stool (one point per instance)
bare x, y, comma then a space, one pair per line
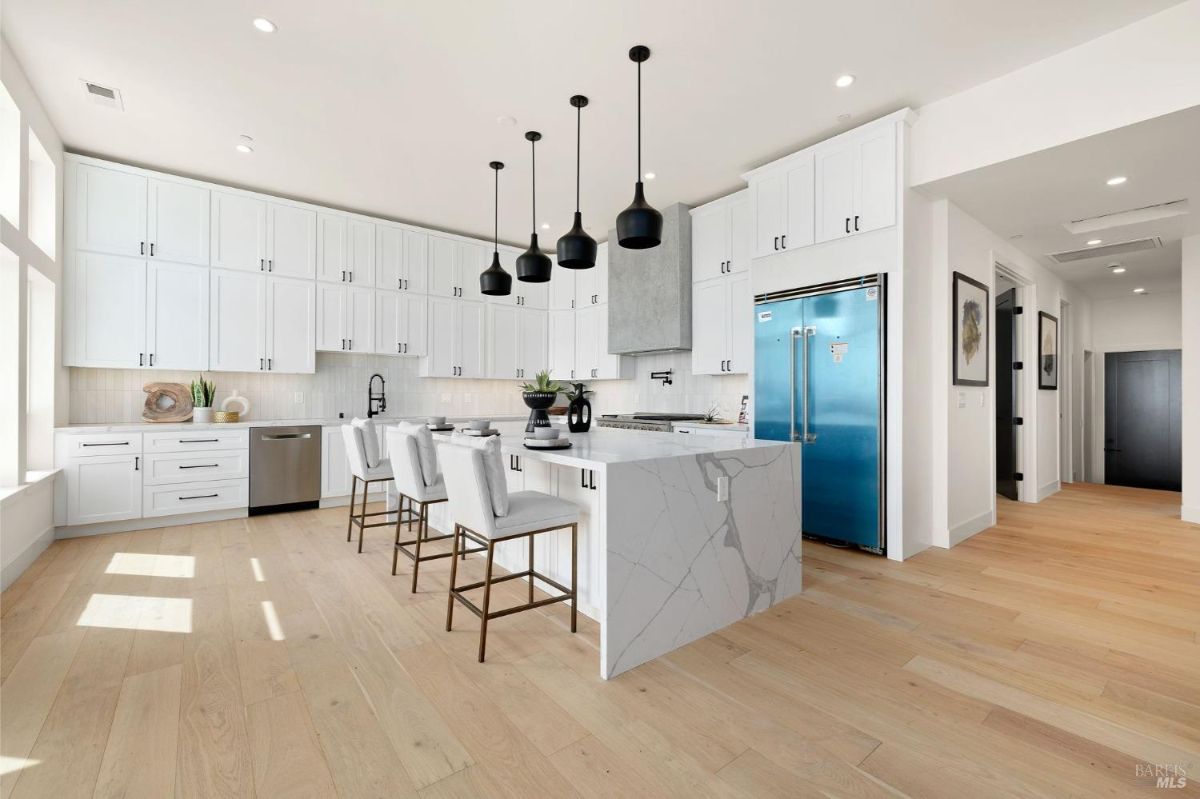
486, 514
366, 466
419, 483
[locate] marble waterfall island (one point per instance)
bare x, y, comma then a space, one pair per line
679, 536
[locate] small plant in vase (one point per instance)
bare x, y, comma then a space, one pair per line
539, 396
203, 392
579, 411
712, 415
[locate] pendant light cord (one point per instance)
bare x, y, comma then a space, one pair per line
496, 207
578, 139
533, 181
639, 117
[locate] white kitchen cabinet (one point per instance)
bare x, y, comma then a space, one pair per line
238, 232
504, 331
335, 469
722, 334
592, 358
722, 237
562, 288
524, 294
260, 323
444, 273
177, 316
332, 247
856, 183
103, 488
194, 497
292, 241
291, 334
110, 311
400, 321
402, 259
170, 468
591, 285
237, 321
110, 211
473, 259
560, 339
177, 223
361, 256
782, 207
533, 357
345, 318
455, 346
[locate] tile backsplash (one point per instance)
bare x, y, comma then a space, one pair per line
340, 386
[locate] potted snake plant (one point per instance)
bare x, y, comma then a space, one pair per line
539, 396
203, 392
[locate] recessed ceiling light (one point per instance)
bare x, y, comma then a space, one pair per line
1094, 242
245, 145
843, 81
506, 121
264, 25
1139, 290
1117, 269
545, 226
649, 176
1117, 181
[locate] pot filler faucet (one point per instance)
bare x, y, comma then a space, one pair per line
376, 403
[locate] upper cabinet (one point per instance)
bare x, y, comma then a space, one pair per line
401, 259
455, 344
561, 294
454, 267
591, 285
842, 187
261, 324
124, 213
856, 184
525, 295
722, 237
345, 250
260, 236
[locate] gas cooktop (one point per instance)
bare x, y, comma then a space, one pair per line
646, 421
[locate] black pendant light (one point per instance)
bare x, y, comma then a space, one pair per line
576, 249
639, 227
494, 281
533, 265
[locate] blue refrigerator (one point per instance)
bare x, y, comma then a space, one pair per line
819, 380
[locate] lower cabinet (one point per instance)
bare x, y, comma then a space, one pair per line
103, 488
170, 500
335, 468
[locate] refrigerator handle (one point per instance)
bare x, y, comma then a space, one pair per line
796, 331
808, 437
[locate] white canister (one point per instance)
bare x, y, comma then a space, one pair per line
236, 402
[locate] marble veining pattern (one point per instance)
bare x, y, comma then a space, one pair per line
680, 564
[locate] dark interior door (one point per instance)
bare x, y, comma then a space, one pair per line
1006, 396
1142, 418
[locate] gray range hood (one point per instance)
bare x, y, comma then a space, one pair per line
650, 291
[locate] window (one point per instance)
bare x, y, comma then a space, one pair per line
39, 378
10, 159
42, 206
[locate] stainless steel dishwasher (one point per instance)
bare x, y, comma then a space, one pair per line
285, 468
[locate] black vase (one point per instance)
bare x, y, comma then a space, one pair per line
538, 402
579, 412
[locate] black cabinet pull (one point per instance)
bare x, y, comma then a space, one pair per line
202, 496
847, 224
776, 243
592, 479
269, 364
262, 264
152, 359
137, 464
855, 222
199, 440
201, 466
151, 248
141, 248
583, 478
271, 266
260, 364
405, 282
343, 275
141, 359
108, 444
783, 241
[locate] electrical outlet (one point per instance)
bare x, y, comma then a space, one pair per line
722, 489
962, 399
298, 398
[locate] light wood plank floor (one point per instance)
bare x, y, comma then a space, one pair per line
1050, 656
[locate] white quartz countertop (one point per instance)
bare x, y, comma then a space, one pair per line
169, 427
602, 446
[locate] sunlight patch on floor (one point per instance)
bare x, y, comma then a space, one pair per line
149, 565
256, 567
9, 765
272, 619
123, 612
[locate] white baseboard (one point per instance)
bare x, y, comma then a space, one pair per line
964, 530
1049, 489
21, 562
1189, 514
101, 528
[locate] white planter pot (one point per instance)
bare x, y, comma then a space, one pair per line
202, 415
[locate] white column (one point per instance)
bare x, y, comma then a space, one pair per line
1191, 378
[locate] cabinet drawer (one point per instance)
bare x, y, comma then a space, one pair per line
188, 467
167, 500
197, 440
90, 444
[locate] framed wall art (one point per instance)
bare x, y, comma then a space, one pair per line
971, 334
1047, 351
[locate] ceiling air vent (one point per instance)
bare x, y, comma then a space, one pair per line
1107, 251
1134, 216
104, 95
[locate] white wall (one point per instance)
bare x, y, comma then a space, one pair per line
1141, 71
1190, 333
26, 499
963, 438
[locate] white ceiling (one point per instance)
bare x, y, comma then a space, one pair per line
390, 108
1034, 195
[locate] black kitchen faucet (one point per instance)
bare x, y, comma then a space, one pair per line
376, 403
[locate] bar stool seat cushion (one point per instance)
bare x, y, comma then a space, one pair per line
380, 471
435, 492
493, 468
425, 450
533, 510
370, 440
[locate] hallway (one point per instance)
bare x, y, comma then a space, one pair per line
1055, 654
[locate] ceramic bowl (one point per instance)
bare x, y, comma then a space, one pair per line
436, 421
545, 433
480, 424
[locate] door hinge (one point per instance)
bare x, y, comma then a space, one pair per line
1018, 310
1018, 420
1018, 365
1019, 476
